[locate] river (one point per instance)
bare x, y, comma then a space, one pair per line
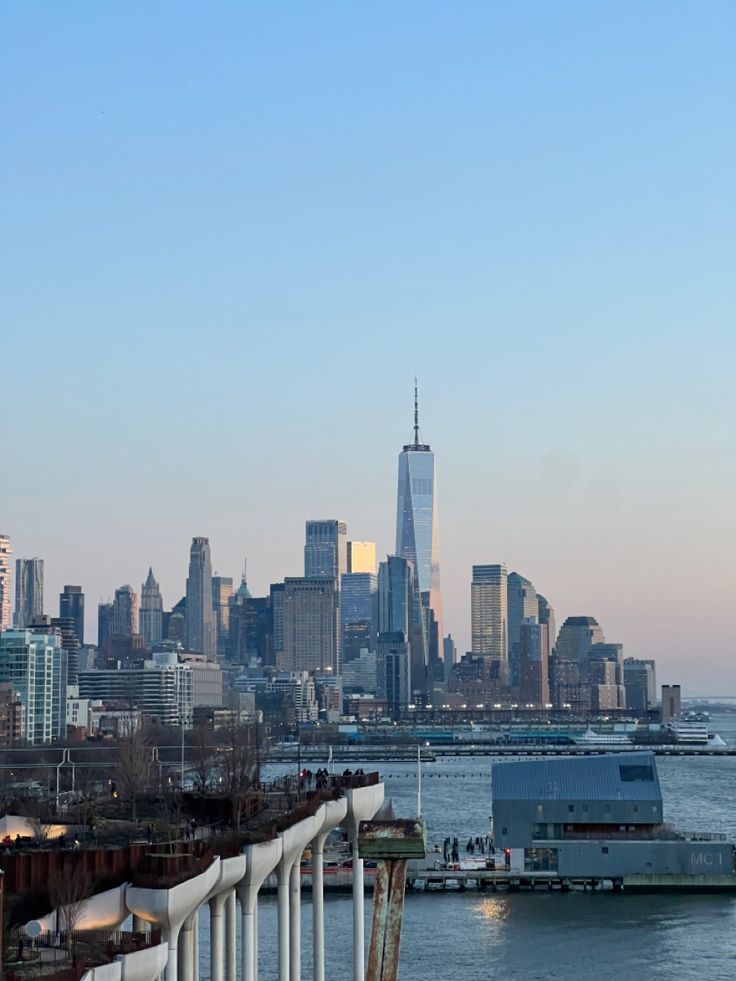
603, 936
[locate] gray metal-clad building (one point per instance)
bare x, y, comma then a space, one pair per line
597, 817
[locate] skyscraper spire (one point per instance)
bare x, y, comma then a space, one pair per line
416, 412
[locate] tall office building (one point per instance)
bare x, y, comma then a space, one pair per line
577, 635
151, 619
105, 620
546, 615
362, 557
489, 613
417, 519
359, 612
401, 615
311, 626
326, 549
522, 604
71, 607
28, 591
201, 630
5, 552
671, 704
533, 663
125, 612
222, 590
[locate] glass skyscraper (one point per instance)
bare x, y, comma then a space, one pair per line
417, 520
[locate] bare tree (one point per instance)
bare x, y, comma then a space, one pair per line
133, 766
239, 758
68, 893
203, 756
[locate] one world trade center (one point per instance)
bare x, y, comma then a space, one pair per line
417, 528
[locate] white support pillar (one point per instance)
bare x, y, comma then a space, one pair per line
140, 925
186, 948
335, 813
363, 803
295, 921
261, 860
295, 840
231, 937
217, 937
222, 930
195, 946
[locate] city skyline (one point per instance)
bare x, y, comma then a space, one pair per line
532, 209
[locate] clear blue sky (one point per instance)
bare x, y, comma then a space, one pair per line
231, 234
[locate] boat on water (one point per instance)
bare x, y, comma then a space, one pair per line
690, 733
612, 739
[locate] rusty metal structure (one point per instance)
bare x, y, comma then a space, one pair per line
391, 844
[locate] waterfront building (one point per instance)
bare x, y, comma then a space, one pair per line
597, 817
522, 604
417, 522
362, 557
577, 635
201, 632
671, 704
489, 614
533, 663
222, 591
358, 612
311, 625
125, 612
35, 666
326, 550
5, 552
28, 591
71, 607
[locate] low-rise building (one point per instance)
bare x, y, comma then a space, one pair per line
595, 817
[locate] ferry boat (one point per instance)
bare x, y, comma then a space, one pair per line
613, 739
690, 733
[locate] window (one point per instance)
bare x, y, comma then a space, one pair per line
571, 808
540, 808
632, 772
604, 849
504, 831
635, 808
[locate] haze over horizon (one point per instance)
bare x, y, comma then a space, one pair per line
222, 267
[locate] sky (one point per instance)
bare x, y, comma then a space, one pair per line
232, 234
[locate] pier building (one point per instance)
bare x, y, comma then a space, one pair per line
598, 817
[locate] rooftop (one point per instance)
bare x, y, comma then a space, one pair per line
613, 776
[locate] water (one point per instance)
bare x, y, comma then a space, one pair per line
467, 936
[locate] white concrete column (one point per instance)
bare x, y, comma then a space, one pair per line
195, 946
295, 839
217, 937
295, 921
335, 814
186, 949
261, 860
231, 937
358, 911
363, 803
